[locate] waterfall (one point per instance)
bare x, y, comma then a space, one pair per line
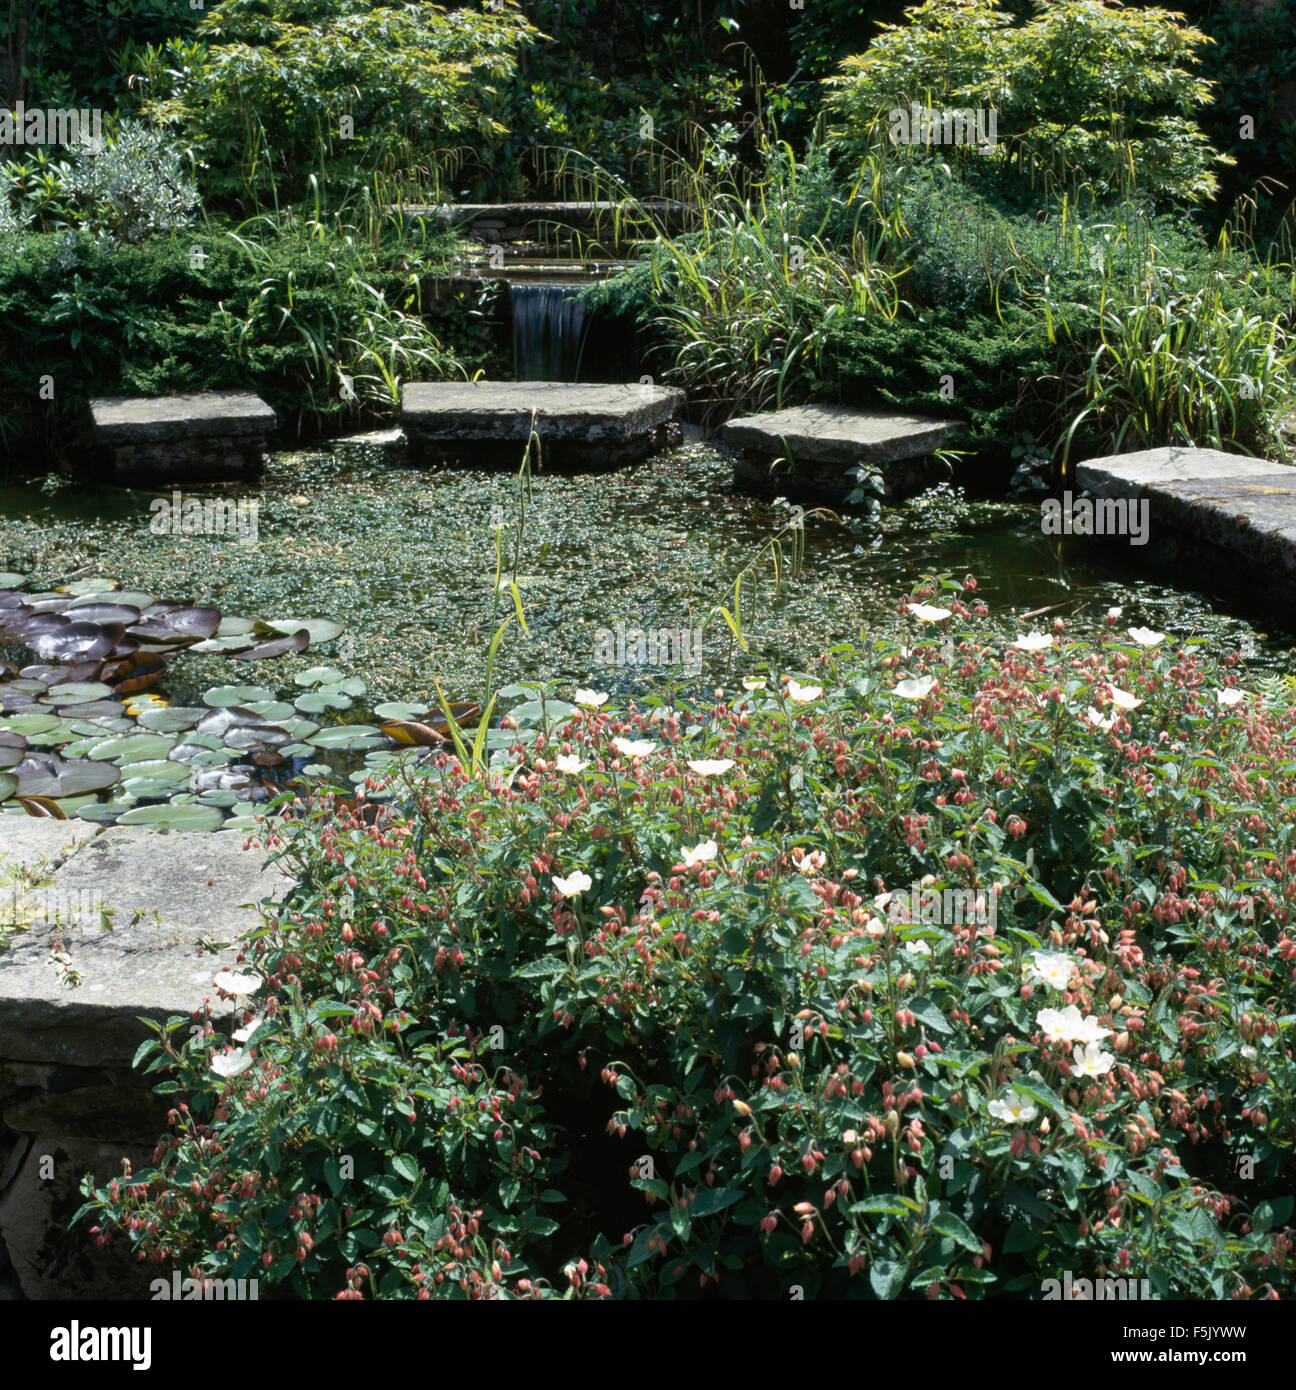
549, 331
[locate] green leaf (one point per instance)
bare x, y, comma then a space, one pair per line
947, 1224
886, 1278
712, 1199
406, 1167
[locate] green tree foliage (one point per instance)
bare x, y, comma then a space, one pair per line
1087, 92
272, 91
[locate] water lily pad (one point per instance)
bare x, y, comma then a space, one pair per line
349, 736
352, 685
9, 580
232, 626
174, 817
137, 704
8, 785
154, 770
226, 695
123, 613
134, 748
47, 774
319, 629
317, 675
400, 709
224, 645
27, 724
299, 728
76, 693
96, 710
279, 646
171, 719
316, 701
96, 584
135, 598
104, 812
222, 799
273, 710
182, 623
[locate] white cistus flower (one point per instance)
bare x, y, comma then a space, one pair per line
915, 689
634, 747
700, 854
1123, 700
1013, 1108
1066, 1025
710, 767
1034, 641
574, 884
1091, 1060
926, 613
1230, 697
229, 1064
569, 762
803, 694
591, 699
230, 983
1145, 637
1053, 968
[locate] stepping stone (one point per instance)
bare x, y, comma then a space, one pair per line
169, 892
33, 845
812, 450
579, 426
1237, 511
210, 436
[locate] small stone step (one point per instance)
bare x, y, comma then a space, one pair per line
207, 436
1233, 509
820, 445
167, 891
580, 425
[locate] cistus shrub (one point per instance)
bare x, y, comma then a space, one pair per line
678, 1002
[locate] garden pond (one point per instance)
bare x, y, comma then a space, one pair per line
406, 560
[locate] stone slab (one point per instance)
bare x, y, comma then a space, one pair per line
38, 845
495, 410
1238, 511
167, 892
837, 434
145, 420
581, 424
1115, 475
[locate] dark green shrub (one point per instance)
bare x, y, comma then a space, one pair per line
286, 313
639, 1018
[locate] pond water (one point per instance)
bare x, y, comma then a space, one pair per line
406, 559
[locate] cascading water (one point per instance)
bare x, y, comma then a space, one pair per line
550, 326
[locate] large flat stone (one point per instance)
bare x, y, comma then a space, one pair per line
591, 423
837, 434
811, 451
31, 844
145, 420
1237, 512
167, 891
1117, 474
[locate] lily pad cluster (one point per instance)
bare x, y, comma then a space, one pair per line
84, 732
